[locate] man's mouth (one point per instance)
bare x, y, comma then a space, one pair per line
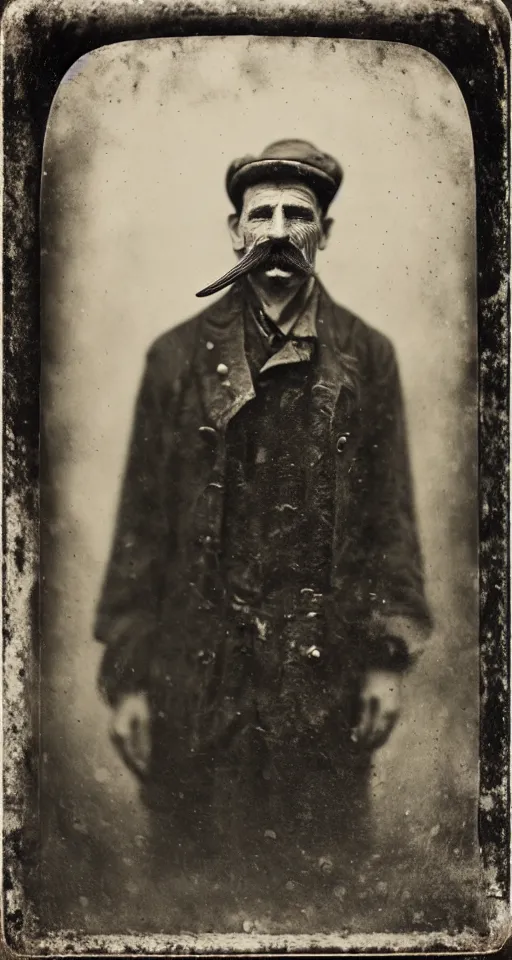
283, 257
270, 271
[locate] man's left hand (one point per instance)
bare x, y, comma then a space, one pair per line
379, 708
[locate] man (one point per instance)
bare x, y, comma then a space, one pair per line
265, 591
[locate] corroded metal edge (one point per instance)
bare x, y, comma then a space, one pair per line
65, 943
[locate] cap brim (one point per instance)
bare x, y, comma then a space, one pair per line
261, 171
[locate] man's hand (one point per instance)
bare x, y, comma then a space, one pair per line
379, 708
130, 731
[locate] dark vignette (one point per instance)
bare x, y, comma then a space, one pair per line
42, 40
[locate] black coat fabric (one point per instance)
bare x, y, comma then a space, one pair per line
162, 613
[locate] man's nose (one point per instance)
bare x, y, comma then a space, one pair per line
278, 229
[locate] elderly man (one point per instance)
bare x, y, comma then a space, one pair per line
265, 592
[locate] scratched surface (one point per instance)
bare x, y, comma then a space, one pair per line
132, 130
134, 218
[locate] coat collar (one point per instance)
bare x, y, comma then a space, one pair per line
224, 373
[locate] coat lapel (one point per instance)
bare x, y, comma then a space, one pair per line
224, 375
335, 381
225, 383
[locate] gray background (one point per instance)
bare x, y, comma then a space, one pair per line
133, 212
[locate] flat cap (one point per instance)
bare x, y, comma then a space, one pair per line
286, 160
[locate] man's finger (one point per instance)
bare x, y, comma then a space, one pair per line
117, 731
382, 728
364, 727
132, 740
140, 743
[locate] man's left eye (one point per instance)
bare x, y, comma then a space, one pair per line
299, 213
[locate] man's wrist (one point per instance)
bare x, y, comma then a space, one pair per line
389, 653
115, 684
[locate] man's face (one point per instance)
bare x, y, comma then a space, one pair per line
281, 212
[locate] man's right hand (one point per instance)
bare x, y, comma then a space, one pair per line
130, 731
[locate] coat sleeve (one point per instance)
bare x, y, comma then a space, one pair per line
400, 619
128, 609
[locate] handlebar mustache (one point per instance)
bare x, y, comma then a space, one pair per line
274, 252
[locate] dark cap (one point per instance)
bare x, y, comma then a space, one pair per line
286, 160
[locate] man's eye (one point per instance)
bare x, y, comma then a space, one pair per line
260, 213
299, 213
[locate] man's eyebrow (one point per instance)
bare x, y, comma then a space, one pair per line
263, 213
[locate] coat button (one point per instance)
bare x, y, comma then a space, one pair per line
313, 652
341, 442
222, 370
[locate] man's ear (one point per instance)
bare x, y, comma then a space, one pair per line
234, 229
327, 223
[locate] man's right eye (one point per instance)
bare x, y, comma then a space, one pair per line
260, 213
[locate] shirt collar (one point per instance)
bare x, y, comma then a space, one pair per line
277, 347
298, 320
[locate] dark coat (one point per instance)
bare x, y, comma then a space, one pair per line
161, 611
